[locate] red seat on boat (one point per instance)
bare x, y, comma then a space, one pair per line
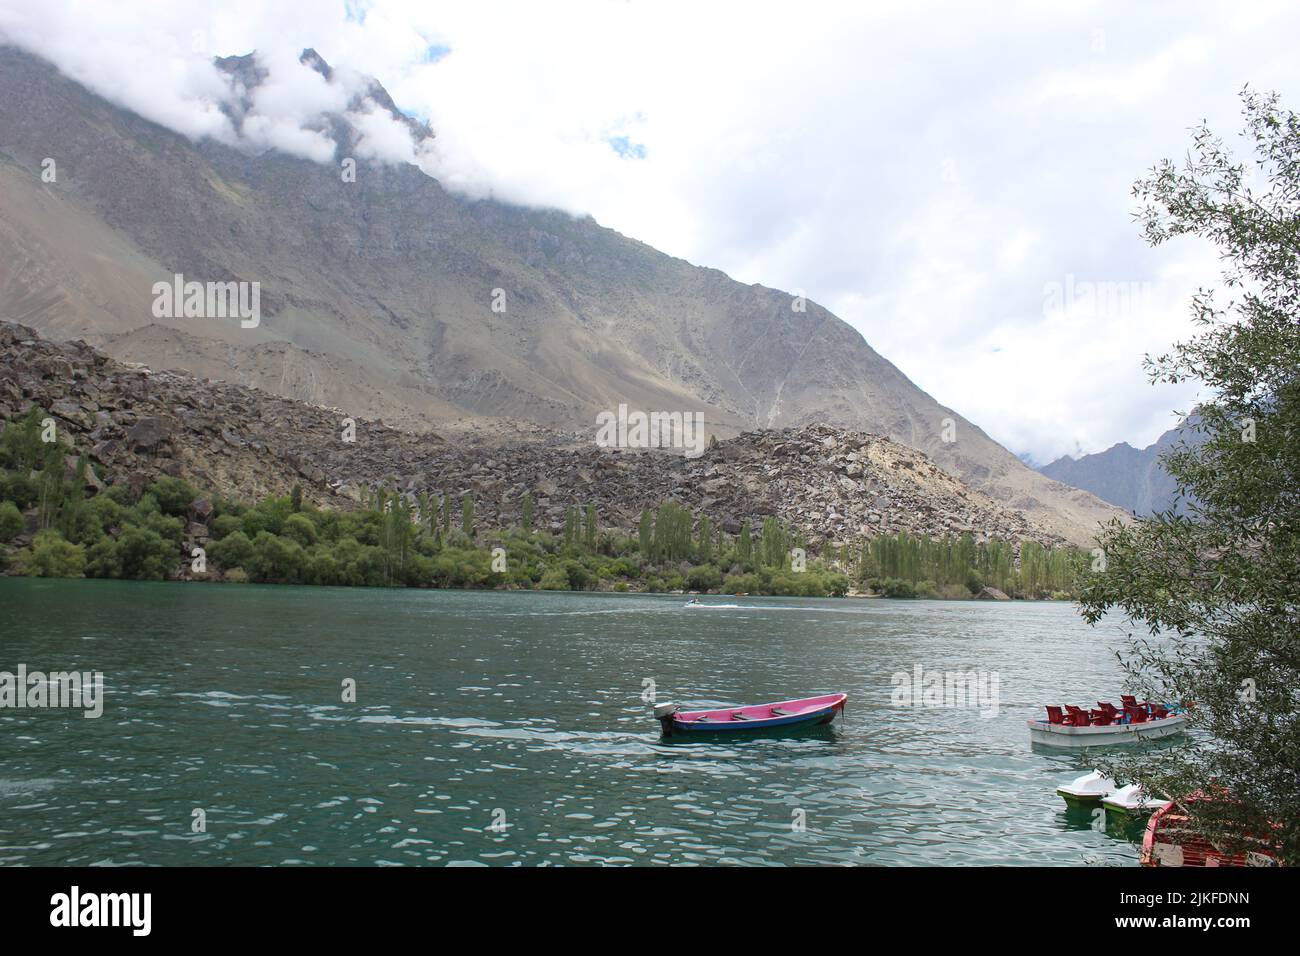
1136, 715
1054, 715
1128, 700
1078, 717
1159, 712
1101, 718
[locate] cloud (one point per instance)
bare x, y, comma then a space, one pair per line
927, 172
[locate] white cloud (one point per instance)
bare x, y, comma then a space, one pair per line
926, 172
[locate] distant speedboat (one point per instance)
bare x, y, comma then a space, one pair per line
784, 713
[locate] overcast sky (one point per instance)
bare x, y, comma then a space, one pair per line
952, 181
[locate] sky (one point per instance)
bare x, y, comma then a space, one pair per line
953, 180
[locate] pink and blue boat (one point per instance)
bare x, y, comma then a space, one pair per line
780, 714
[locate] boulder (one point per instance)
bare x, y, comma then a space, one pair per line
148, 433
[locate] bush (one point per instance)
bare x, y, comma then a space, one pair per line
554, 579
224, 525
52, 557
232, 551
11, 521
741, 584
173, 495
19, 489
276, 560
300, 528
894, 588
102, 560
145, 555
705, 577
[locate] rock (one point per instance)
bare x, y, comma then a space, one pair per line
992, 594
148, 433
243, 444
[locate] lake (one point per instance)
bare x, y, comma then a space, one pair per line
509, 728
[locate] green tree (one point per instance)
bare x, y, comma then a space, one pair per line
704, 549
232, 551
143, 554
1218, 589
645, 533
52, 557
11, 521
173, 495
467, 516
571, 528
526, 513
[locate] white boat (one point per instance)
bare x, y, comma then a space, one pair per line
1129, 800
1088, 790
1108, 735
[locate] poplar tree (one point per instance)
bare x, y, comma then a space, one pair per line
526, 515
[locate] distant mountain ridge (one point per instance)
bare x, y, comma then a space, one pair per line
377, 294
1132, 478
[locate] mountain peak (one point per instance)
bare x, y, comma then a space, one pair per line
309, 57
360, 98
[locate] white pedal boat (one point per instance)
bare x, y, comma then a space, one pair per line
1088, 790
1129, 800
1109, 735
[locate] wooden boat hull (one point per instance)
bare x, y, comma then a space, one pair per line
1064, 736
808, 711
1170, 841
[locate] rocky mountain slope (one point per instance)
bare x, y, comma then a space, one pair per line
134, 424
376, 295
1132, 478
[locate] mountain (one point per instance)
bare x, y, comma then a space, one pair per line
133, 425
377, 295
1130, 477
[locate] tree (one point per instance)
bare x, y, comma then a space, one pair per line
645, 533
589, 529
774, 543
11, 521
704, 550
52, 557
672, 533
467, 516
526, 513
1217, 589
571, 528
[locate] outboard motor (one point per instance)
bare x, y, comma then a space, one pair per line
665, 714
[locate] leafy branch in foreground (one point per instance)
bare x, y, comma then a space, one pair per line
1218, 590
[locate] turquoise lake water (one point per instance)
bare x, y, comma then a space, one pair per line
510, 729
